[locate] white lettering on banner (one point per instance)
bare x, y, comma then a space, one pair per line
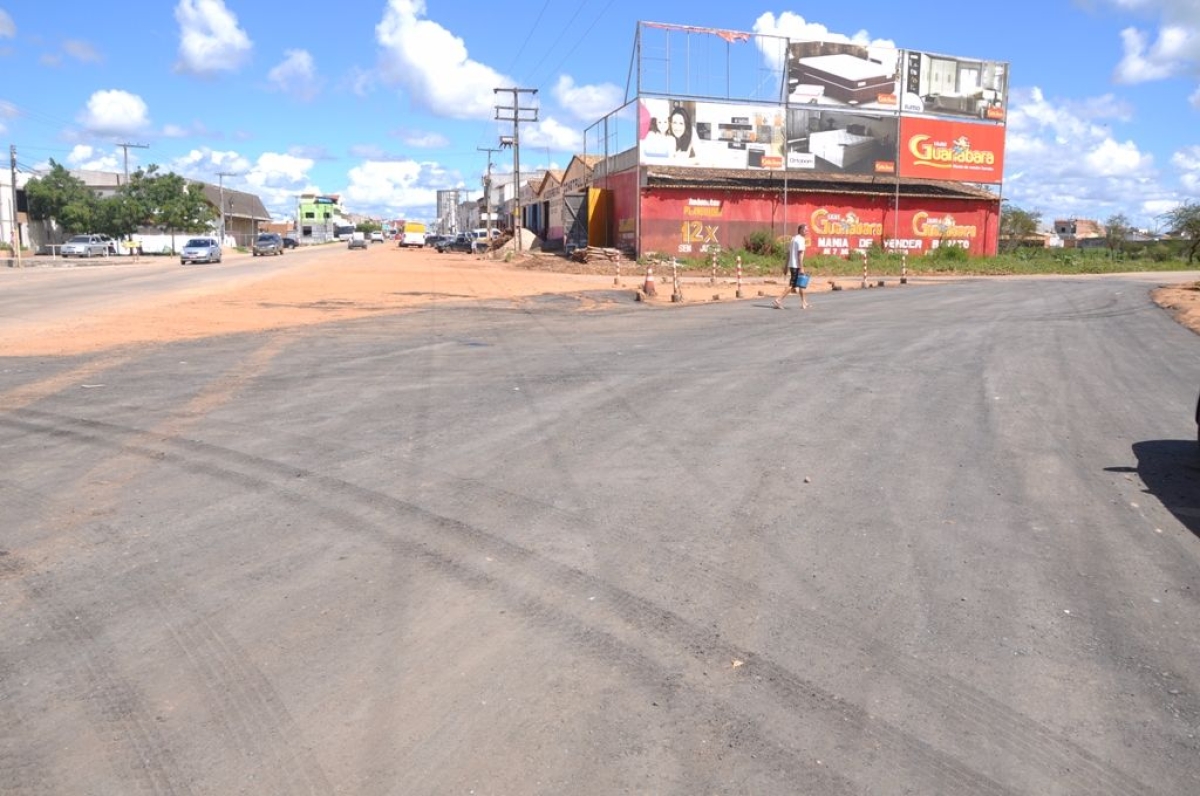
895, 243
833, 243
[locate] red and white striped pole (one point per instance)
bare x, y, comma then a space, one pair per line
739, 276
648, 286
713, 279
904, 267
864, 259
617, 278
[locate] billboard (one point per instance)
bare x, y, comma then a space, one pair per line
710, 135
823, 140
942, 149
841, 74
940, 85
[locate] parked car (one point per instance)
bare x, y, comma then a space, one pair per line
377, 237
268, 243
200, 250
357, 241
89, 246
290, 241
462, 242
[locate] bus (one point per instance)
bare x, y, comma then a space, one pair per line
413, 234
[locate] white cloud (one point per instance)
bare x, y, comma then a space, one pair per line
432, 64
1188, 162
397, 188
549, 133
1064, 158
204, 163
114, 112
420, 139
210, 39
8, 28
296, 75
1175, 49
587, 103
89, 158
360, 82
795, 27
82, 51
274, 177
1110, 158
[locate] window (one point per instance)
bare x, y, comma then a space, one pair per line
310, 214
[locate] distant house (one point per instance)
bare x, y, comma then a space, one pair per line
1080, 233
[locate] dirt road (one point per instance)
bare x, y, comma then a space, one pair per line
340, 284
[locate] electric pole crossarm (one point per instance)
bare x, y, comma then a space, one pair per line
517, 114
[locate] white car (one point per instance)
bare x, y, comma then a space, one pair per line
376, 237
88, 246
200, 250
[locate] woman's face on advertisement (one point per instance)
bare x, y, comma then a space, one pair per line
678, 125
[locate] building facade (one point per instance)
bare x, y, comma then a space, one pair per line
870, 147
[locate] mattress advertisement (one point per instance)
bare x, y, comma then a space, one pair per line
940, 149
939, 85
843, 75
823, 140
710, 135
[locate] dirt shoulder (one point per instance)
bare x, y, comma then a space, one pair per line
338, 284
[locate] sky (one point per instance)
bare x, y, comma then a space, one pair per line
385, 103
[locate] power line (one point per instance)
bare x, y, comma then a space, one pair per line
528, 36
582, 38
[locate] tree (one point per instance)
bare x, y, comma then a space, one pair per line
65, 199
1184, 221
169, 202
1117, 230
1016, 225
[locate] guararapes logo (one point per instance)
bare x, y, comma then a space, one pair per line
928, 151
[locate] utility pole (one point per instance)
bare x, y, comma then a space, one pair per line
517, 114
16, 225
221, 175
487, 192
126, 148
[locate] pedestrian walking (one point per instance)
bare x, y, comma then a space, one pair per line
797, 278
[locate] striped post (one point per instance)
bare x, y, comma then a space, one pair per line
864, 259
739, 276
904, 267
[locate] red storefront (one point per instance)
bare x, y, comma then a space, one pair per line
686, 212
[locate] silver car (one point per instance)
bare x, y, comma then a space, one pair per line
87, 246
200, 250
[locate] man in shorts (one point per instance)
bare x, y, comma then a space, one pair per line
797, 279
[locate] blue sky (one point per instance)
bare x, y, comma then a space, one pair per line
385, 103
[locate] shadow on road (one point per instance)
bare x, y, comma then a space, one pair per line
1170, 469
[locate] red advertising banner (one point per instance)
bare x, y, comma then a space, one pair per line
940, 149
690, 223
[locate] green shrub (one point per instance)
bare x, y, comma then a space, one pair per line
762, 242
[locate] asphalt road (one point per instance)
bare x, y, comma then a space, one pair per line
922, 540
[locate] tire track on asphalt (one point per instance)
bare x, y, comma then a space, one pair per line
931, 685
248, 706
131, 741
448, 543
257, 715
